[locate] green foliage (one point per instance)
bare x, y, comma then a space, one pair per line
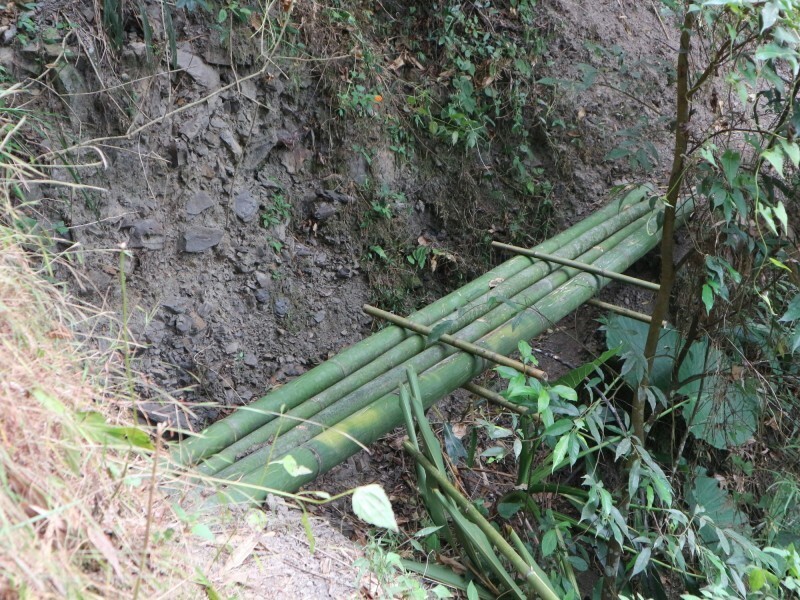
278, 211
371, 504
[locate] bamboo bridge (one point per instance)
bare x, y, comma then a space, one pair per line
329, 413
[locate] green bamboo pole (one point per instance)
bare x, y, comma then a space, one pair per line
225, 432
497, 399
456, 343
648, 285
597, 239
384, 384
335, 444
625, 312
532, 573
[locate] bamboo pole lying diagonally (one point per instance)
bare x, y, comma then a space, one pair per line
372, 357
339, 439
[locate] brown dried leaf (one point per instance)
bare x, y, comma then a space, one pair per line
106, 548
242, 552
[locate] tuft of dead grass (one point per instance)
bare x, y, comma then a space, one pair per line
81, 514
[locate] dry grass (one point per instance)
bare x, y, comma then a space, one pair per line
81, 514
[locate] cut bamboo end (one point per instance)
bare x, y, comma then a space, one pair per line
648, 285
625, 312
456, 343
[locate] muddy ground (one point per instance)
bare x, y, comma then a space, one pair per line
241, 199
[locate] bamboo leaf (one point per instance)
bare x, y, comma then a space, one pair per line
641, 561
482, 545
371, 504
576, 376
560, 451
559, 427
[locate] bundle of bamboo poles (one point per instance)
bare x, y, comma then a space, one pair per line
326, 415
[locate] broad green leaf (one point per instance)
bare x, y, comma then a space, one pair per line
202, 530
719, 507
708, 298
792, 311
641, 561
549, 542
526, 351
289, 463
565, 392
472, 591
629, 336
757, 578
506, 372
426, 531
792, 150
94, 427
623, 448
730, 164
371, 504
559, 427
775, 157
508, 509
560, 451
766, 213
708, 155
769, 14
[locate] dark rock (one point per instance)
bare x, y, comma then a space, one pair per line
231, 348
9, 35
183, 323
245, 206
171, 414
282, 307
70, 83
332, 196
320, 259
199, 239
324, 210
319, 316
175, 304
345, 273
268, 182
146, 233
228, 138
194, 124
262, 296
250, 360
262, 279
293, 370
259, 151
206, 76
199, 202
